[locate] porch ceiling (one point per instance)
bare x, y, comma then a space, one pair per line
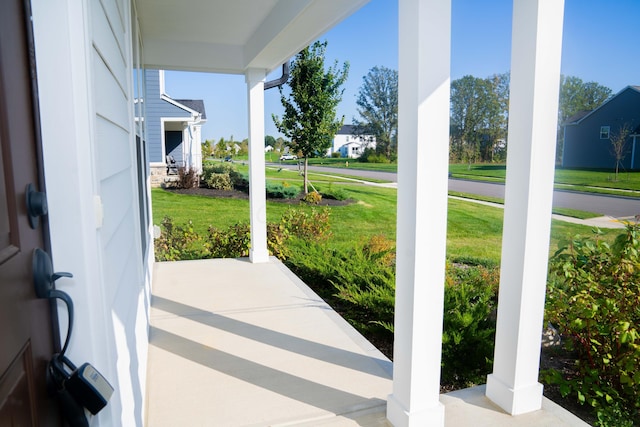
233, 36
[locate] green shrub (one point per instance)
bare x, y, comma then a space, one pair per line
335, 155
312, 262
277, 238
177, 242
280, 191
363, 280
218, 167
369, 155
313, 198
231, 243
470, 301
366, 280
239, 181
313, 225
593, 298
336, 193
219, 181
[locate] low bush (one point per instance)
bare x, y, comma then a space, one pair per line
593, 299
336, 193
181, 242
312, 197
369, 155
360, 283
224, 176
177, 242
313, 225
219, 181
218, 167
470, 302
233, 242
239, 181
280, 191
187, 178
336, 155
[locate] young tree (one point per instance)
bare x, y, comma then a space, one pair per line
620, 144
207, 148
280, 144
220, 149
378, 108
309, 118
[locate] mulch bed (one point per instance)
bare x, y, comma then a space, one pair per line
235, 194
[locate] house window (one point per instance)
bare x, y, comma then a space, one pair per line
604, 132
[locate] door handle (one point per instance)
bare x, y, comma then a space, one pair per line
83, 387
43, 275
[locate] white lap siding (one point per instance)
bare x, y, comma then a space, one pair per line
84, 61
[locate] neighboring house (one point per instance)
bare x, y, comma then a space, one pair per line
349, 144
77, 137
587, 135
173, 127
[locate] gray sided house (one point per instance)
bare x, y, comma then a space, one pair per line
173, 128
587, 142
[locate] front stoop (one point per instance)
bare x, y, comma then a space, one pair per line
239, 344
158, 177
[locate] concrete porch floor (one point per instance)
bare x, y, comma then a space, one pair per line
240, 344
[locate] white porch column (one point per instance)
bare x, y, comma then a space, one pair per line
533, 115
257, 182
423, 147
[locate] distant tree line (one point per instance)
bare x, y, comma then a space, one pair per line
230, 147
479, 114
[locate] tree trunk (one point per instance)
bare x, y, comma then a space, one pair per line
306, 190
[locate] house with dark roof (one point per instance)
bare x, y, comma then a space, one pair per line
588, 134
350, 144
173, 128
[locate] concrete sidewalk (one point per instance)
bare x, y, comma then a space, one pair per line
239, 344
600, 222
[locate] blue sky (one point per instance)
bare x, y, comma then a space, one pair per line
600, 44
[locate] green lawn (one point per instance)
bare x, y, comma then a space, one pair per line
576, 179
474, 231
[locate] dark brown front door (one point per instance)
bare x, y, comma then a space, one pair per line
26, 333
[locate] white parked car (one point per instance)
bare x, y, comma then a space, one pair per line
288, 157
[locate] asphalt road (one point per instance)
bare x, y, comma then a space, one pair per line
614, 206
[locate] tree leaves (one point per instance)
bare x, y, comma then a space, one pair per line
309, 118
378, 108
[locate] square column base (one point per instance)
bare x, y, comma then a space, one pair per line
514, 402
258, 256
400, 417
